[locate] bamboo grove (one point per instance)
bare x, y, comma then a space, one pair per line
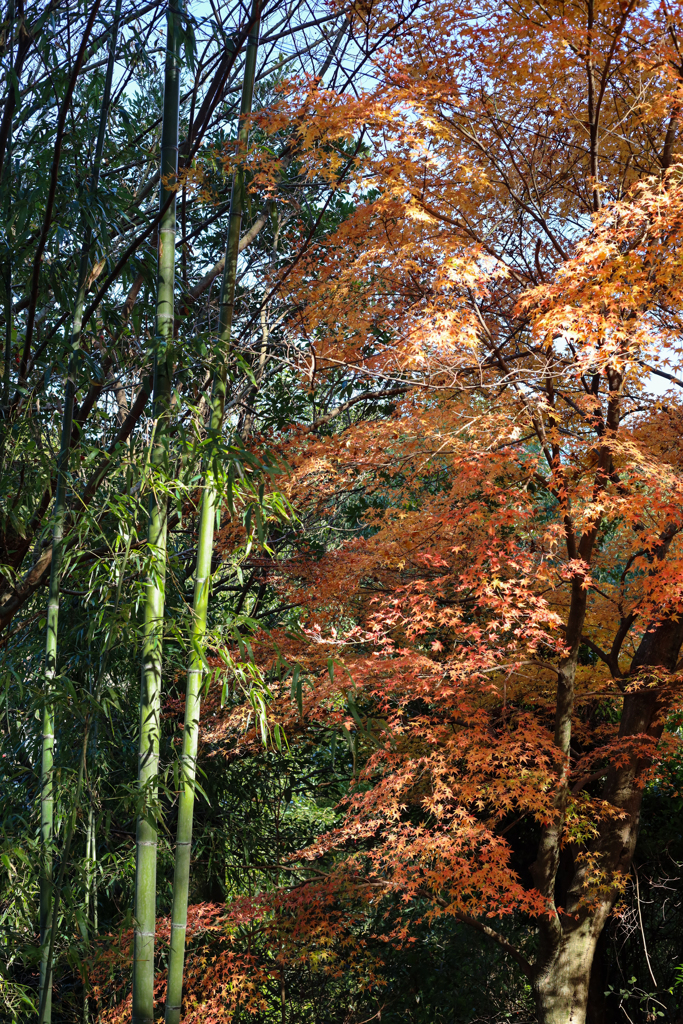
341, 570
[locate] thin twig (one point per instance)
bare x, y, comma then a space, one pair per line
642, 930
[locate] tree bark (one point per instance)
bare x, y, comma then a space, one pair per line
563, 984
562, 981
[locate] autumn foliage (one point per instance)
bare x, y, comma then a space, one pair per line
496, 649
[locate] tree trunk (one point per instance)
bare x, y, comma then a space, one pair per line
562, 981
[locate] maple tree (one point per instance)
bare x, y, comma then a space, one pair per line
466, 616
517, 607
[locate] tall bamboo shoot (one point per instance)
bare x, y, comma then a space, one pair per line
48, 739
150, 697
181, 879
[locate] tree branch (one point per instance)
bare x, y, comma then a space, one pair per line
511, 950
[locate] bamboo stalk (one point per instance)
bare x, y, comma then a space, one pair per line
90, 723
8, 206
92, 820
150, 696
91, 826
188, 760
46, 997
48, 739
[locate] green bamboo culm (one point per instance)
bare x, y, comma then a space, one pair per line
72, 817
48, 739
7, 175
188, 761
150, 695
